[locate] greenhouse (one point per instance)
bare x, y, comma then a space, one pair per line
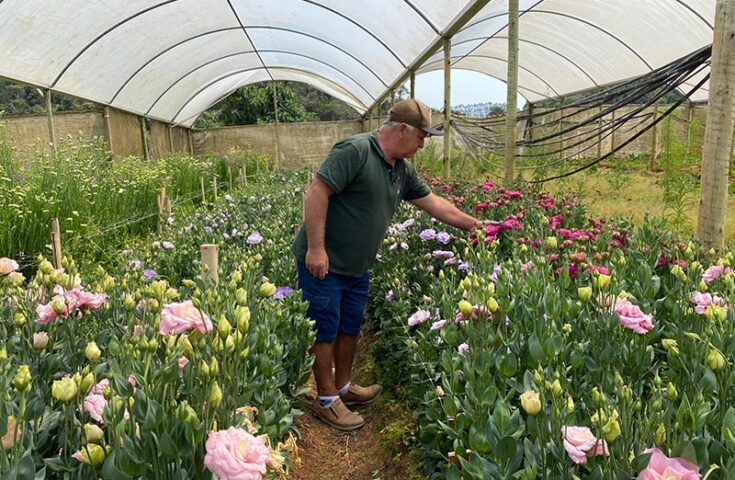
195, 196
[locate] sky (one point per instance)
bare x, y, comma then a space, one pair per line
467, 87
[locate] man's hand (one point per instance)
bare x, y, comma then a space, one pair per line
317, 262
481, 224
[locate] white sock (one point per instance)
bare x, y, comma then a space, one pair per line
344, 389
326, 402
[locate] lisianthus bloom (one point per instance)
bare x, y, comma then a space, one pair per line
254, 238
714, 272
419, 317
182, 362
463, 349
282, 292
13, 435
182, 317
443, 238
530, 402
580, 443
704, 300
630, 316
7, 265
234, 454
661, 467
428, 234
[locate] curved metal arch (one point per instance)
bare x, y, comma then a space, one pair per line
545, 47
166, 50
251, 51
597, 27
423, 16
103, 34
233, 73
335, 12
245, 32
283, 29
706, 22
501, 14
519, 66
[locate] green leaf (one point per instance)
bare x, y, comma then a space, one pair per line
506, 448
478, 440
110, 470
509, 365
535, 348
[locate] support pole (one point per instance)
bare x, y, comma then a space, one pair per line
690, 119
412, 84
201, 186
447, 106
108, 132
392, 98
612, 131
56, 242
599, 134
50, 119
654, 141
143, 139
190, 141
277, 163
511, 113
210, 262
719, 129
170, 137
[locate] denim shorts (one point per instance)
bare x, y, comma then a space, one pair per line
336, 304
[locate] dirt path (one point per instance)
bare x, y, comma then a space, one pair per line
376, 451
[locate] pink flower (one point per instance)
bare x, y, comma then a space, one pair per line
92, 301
630, 316
704, 300
438, 325
7, 265
183, 361
234, 454
463, 348
580, 443
661, 467
45, 313
714, 272
94, 405
182, 317
419, 317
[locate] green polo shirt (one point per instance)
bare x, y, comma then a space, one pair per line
367, 191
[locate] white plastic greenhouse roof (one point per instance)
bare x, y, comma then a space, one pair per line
173, 59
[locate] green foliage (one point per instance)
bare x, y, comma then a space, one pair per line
17, 99
679, 181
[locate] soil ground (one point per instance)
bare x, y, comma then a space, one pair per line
377, 451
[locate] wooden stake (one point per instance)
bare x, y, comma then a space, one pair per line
719, 129
143, 139
447, 107
229, 178
210, 262
50, 119
690, 119
599, 135
56, 242
511, 113
654, 141
108, 131
190, 141
277, 162
412, 84
160, 205
171, 137
201, 185
214, 188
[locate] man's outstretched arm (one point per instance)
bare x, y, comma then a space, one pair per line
315, 218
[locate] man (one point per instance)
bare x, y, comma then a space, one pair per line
349, 206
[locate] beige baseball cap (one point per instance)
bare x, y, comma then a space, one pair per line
414, 113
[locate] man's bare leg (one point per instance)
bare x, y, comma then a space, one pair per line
344, 354
322, 368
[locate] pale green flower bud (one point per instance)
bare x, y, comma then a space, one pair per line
570, 404
715, 360
671, 392
602, 281
22, 379
584, 293
267, 290
551, 243
19, 319
91, 454
670, 346
241, 297
530, 402
64, 390
40, 340
128, 302
492, 305
213, 366
465, 307
556, 389
660, 435
93, 433
223, 327
242, 315
92, 352
215, 395
611, 430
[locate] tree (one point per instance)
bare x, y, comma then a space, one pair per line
254, 104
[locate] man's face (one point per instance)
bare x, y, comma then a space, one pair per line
412, 140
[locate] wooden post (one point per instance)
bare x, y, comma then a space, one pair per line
160, 206
599, 135
690, 120
718, 130
241, 177
170, 137
201, 185
167, 207
447, 106
412, 84
143, 138
108, 132
392, 98
50, 119
229, 178
612, 131
511, 102
214, 188
210, 262
561, 136
277, 162
654, 140
190, 141
56, 242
